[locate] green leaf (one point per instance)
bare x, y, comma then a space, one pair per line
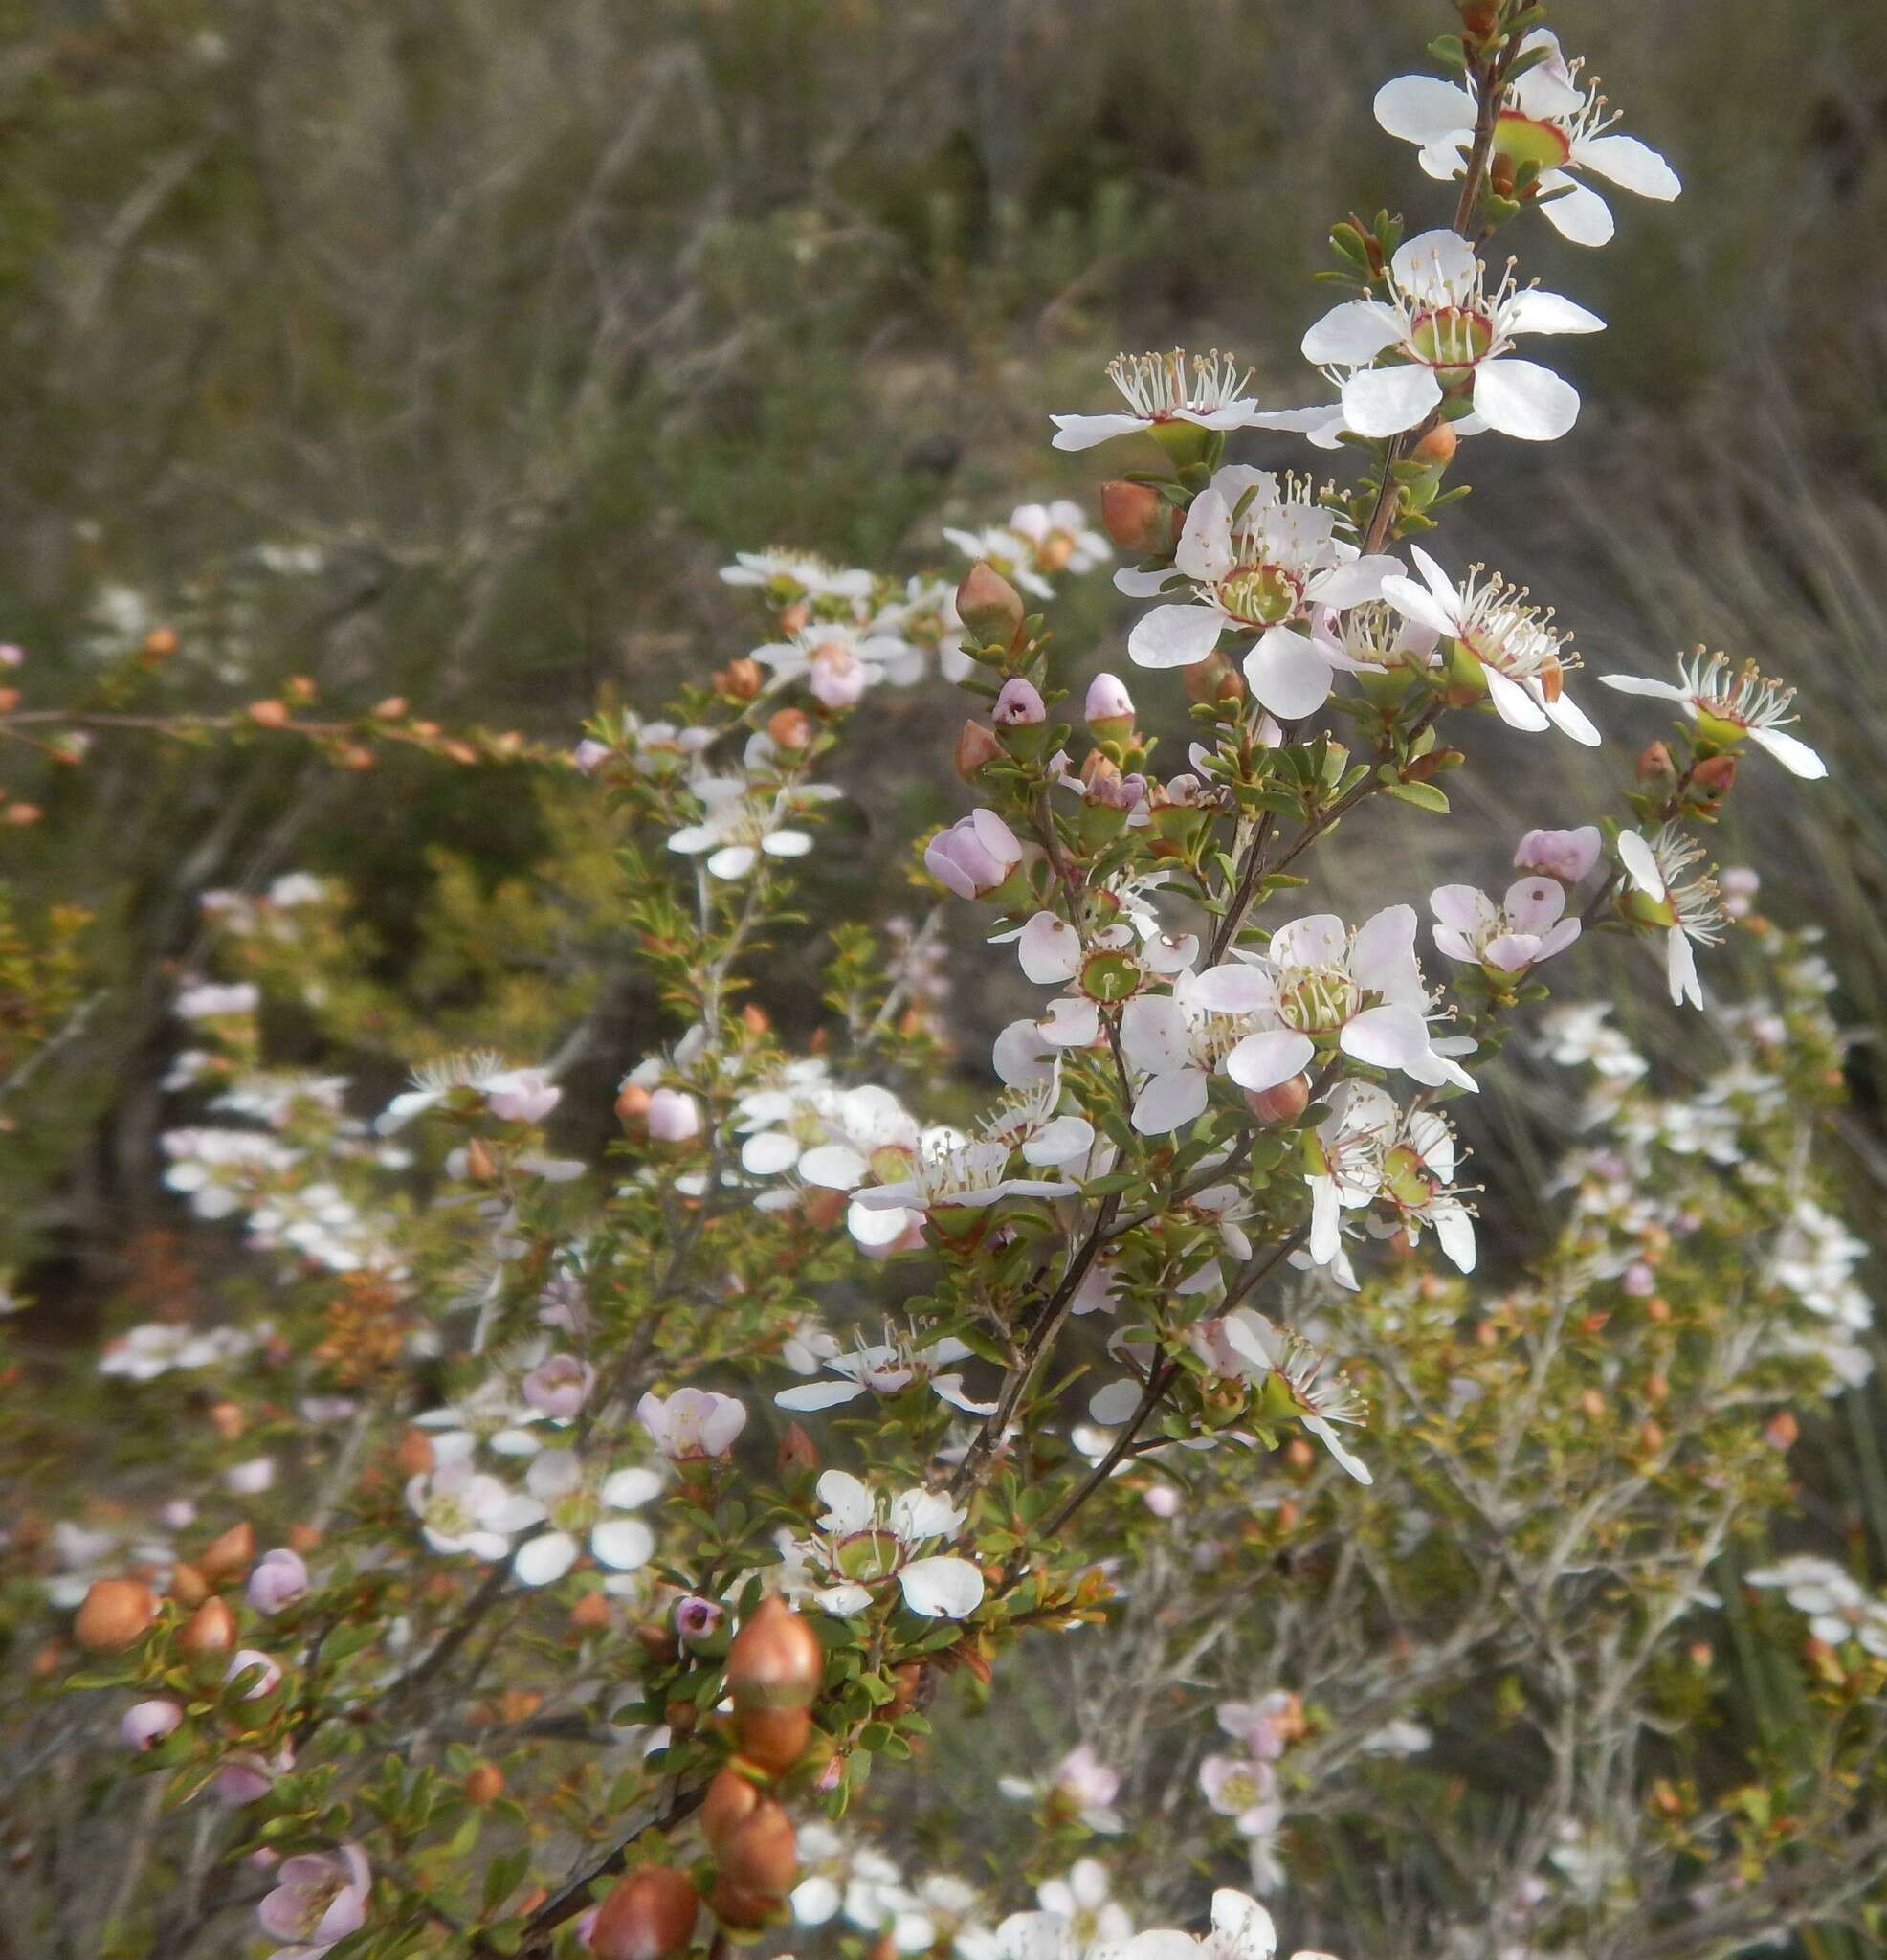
1423, 795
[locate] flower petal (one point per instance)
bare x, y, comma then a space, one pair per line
1174, 636
941, 1587
1523, 399
1384, 401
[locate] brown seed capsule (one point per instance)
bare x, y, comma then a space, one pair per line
649, 1915
1137, 518
591, 1612
760, 1854
1437, 446
478, 1165
988, 606
774, 1739
976, 746
775, 1661
907, 1684
745, 1912
657, 1640
633, 1104
211, 1629
1283, 1104
797, 1454
790, 728
483, 1783
228, 1553
188, 1586
731, 1799
113, 1613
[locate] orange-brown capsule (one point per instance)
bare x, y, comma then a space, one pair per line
988, 605
649, 1915
775, 1661
113, 1613
211, 1629
227, 1554
731, 1799
483, 1783
773, 1739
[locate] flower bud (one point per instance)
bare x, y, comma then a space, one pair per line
797, 1454
776, 1660
1712, 777
591, 1612
145, 1723
672, 1117
211, 1628
188, 1587
1655, 770
976, 747
1437, 449
975, 856
740, 679
1019, 705
1567, 856
228, 1553
699, 1622
1138, 519
1284, 1103
790, 728
1109, 708
759, 1855
731, 1799
484, 1783
415, 1454
1781, 1431
649, 1915
773, 1739
988, 606
113, 1613
633, 1101
265, 1674
279, 1580
1214, 679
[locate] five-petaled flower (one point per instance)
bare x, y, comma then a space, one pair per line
1729, 704
1528, 926
866, 1546
1662, 895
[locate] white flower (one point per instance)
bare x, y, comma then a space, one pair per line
1260, 556
797, 576
1299, 1379
1527, 927
1245, 1789
1110, 966
1060, 535
837, 663
692, 1425
1837, 1607
579, 1505
1084, 1899
489, 1415
888, 1368
1728, 703
463, 1509
1176, 1042
1359, 991
1161, 388
1660, 896
742, 821
206, 1001
1508, 645
866, 1546
1418, 1185
953, 1178
1549, 119
1453, 338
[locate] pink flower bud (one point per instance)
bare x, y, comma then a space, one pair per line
974, 855
279, 1579
524, 1095
246, 1660
1108, 702
1565, 855
673, 1116
590, 756
244, 1777
560, 1386
145, 1723
1019, 705
1162, 1500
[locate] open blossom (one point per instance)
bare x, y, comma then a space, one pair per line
865, 1546
1110, 966
1206, 393
1451, 338
559, 1387
1663, 895
320, 1898
888, 1368
1360, 992
953, 1180
1549, 117
741, 822
1730, 705
692, 1425
836, 662
1297, 1379
1245, 1789
463, 1509
1567, 856
1258, 555
1837, 1606
583, 1504
1096, 1921
974, 855
1080, 1785
797, 576
1177, 1041
1526, 927
1038, 540
1501, 643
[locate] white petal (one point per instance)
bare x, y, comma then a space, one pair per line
1630, 164
1174, 635
816, 1396
1144, 584
623, 1543
849, 1505
1383, 959
1570, 718
1681, 969
1386, 1036
1352, 333
544, 1559
1261, 1061
768, 1153
1640, 864
629, 1490
1286, 675
833, 1166
1115, 1404
1513, 703
1204, 551
1334, 1443
1421, 108
736, 861
1579, 215
1419, 604
1235, 989
1083, 432
941, 1587
1796, 757
1154, 1033
1523, 399
1244, 1926
1049, 950
1351, 584
1637, 684
1431, 256
1532, 311
1169, 1101
1384, 401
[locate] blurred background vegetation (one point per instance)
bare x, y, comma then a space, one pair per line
445, 348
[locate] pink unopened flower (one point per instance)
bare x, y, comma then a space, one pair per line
145, 1723
974, 855
522, 1095
1019, 705
560, 1386
10, 656
672, 1117
1565, 855
250, 1479
693, 1424
320, 1899
245, 1660
279, 1579
1108, 701
697, 1620
590, 756
244, 1777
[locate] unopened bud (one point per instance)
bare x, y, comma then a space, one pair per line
1655, 769
797, 1454
649, 1915
1437, 449
390, 709
658, 1643
776, 1660
632, 1104
484, 1782
1214, 679
1593, 1403
1109, 708
159, 643
740, 679
478, 1165
113, 1613
415, 1454
1138, 519
230, 1552
228, 1420
1019, 705
211, 1628
976, 747
188, 1585
1713, 777
731, 1799
790, 728
988, 606
1781, 1431
754, 1018
774, 1739
269, 714
760, 1854
1284, 1102
1300, 1456
591, 1612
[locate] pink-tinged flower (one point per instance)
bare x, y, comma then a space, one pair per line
590, 756
1019, 705
1662, 895
320, 1898
463, 1509
1729, 704
280, 1579
1243, 1788
1455, 338
522, 1095
693, 1425
889, 1368
1258, 555
673, 1116
1107, 702
974, 855
698, 1620
253, 1661
1527, 927
1500, 642
10, 656
145, 1723
1162, 390
1549, 117
1566, 855
244, 1777
1265, 1726
1163, 1499
559, 1387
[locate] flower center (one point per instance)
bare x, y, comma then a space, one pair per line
866, 1556
1522, 140
1316, 1001
1261, 595
1451, 340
